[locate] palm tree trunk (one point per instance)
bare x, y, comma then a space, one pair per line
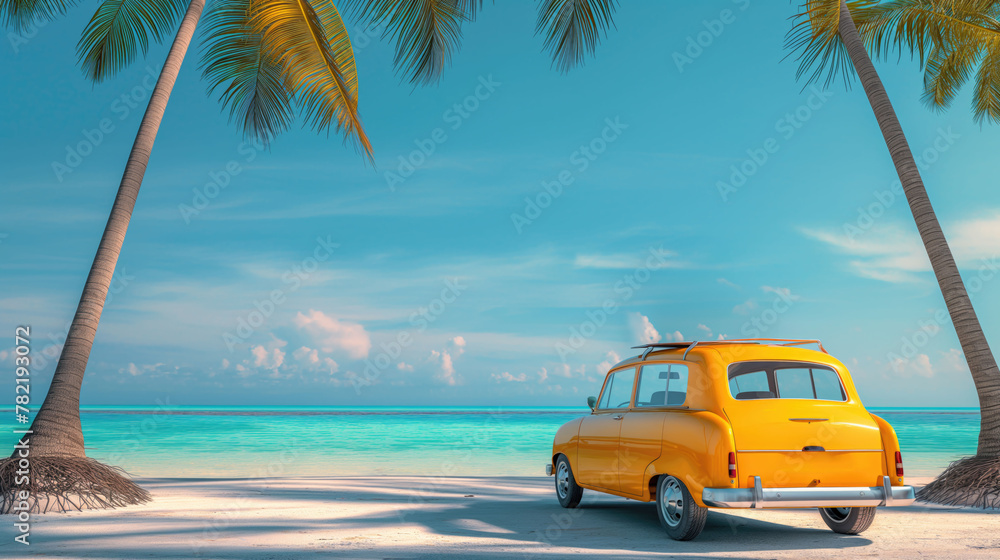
981, 362
56, 428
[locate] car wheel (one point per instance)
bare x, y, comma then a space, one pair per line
568, 492
848, 520
680, 516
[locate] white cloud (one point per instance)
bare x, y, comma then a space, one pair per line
331, 334
333, 366
783, 293
893, 252
458, 344
446, 369
725, 282
507, 377
269, 359
954, 361
642, 329
543, 374
562, 370
610, 360
403, 366
706, 330
306, 355
3, 355
919, 365
135, 370
675, 336
745, 308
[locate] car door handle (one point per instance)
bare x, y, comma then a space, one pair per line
619, 417
808, 419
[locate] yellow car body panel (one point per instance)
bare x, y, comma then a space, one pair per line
799, 443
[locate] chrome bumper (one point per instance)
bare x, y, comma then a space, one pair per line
758, 497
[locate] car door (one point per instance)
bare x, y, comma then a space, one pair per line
598, 457
660, 387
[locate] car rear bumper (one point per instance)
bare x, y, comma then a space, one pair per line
758, 497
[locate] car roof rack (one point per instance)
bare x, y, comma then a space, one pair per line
687, 346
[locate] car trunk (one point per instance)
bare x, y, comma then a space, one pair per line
799, 442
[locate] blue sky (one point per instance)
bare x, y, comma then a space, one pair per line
696, 193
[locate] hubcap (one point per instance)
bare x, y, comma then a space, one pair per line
672, 501
838, 514
562, 480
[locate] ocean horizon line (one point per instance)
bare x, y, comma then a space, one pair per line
333, 410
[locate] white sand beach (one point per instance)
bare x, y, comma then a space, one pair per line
427, 517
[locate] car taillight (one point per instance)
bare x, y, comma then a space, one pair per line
899, 464
732, 465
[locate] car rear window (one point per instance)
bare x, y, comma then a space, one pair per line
784, 380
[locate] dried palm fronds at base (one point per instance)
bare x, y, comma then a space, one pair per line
973, 481
60, 484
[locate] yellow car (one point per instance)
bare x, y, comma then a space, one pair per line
754, 423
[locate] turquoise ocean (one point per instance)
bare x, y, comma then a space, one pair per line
251, 441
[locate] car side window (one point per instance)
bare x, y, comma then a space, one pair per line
750, 385
618, 390
662, 385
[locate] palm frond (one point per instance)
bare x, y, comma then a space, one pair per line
572, 28
253, 85
426, 32
19, 15
815, 37
119, 28
946, 71
986, 96
950, 38
309, 42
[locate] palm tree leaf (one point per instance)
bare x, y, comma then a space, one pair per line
815, 37
19, 15
950, 37
253, 85
986, 96
311, 46
946, 71
572, 28
426, 32
121, 27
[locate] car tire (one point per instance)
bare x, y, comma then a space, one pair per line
848, 521
680, 516
567, 490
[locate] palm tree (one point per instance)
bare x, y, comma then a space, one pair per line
267, 58
266, 55
827, 39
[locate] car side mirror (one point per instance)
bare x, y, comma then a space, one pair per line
592, 403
